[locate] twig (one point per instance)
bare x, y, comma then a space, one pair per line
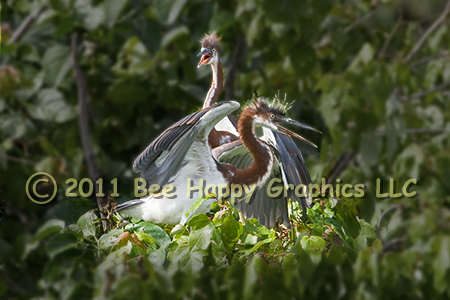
85, 132
19, 160
12, 284
393, 245
390, 36
430, 30
419, 95
359, 21
229, 84
381, 219
340, 166
429, 58
26, 24
427, 130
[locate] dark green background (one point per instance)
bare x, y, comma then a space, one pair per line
351, 67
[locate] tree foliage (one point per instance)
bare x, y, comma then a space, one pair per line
374, 76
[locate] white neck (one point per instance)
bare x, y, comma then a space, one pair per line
214, 91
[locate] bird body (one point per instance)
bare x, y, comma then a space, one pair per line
178, 154
182, 152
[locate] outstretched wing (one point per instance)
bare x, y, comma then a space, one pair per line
165, 155
268, 210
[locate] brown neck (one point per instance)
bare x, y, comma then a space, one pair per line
262, 157
216, 86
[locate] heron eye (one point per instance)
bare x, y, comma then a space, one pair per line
272, 116
213, 50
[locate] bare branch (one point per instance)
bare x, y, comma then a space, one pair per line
390, 36
439, 88
85, 132
429, 58
26, 24
19, 160
427, 130
359, 21
429, 31
340, 166
393, 245
229, 84
381, 219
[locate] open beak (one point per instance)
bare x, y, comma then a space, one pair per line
288, 132
206, 56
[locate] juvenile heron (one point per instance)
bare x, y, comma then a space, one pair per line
182, 152
226, 130
293, 169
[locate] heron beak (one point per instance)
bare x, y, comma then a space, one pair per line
206, 56
288, 132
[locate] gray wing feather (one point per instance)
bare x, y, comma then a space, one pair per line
165, 142
128, 204
294, 167
266, 209
173, 144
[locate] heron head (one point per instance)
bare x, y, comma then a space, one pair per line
269, 114
210, 49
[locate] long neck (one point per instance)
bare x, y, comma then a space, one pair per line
263, 159
216, 86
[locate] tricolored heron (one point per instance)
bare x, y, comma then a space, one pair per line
293, 168
182, 152
226, 130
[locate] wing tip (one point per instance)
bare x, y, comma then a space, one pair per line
128, 204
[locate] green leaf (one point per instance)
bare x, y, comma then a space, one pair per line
289, 266
107, 240
198, 221
56, 64
158, 257
364, 56
115, 258
441, 262
228, 226
253, 271
87, 223
335, 255
144, 237
178, 230
5, 247
313, 246
154, 231
90, 17
129, 90
197, 203
61, 242
180, 255
175, 10
49, 228
252, 226
194, 263
200, 239
51, 106
174, 34
59, 5
112, 9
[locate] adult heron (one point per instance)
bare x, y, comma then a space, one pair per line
181, 157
